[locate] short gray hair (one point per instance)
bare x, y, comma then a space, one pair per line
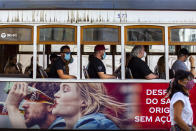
136, 50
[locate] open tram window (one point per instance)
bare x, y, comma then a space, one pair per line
184, 38
101, 36
13, 42
59, 51
151, 39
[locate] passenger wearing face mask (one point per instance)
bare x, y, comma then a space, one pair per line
179, 64
181, 112
138, 67
60, 68
96, 68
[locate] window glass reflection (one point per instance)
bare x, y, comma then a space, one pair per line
144, 34
183, 35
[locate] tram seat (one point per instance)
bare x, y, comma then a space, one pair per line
85, 73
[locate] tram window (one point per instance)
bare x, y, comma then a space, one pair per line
90, 48
18, 34
144, 34
57, 34
100, 34
183, 35
172, 49
55, 48
152, 61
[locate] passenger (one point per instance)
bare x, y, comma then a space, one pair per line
53, 58
96, 68
160, 69
35, 113
181, 112
179, 64
12, 67
128, 73
60, 68
138, 67
84, 105
40, 71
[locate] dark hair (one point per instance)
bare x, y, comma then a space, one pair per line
175, 86
183, 52
46, 87
64, 47
53, 55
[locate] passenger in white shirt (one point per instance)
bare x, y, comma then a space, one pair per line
181, 112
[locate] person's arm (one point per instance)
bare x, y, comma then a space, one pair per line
105, 76
178, 106
16, 94
192, 61
151, 76
64, 76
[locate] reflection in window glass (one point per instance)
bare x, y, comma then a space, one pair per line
90, 48
156, 48
190, 48
144, 34
56, 48
15, 34
100, 34
183, 35
57, 34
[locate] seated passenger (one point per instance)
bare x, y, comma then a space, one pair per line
60, 68
128, 73
40, 71
160, 69
12, 67
138, 67
179, 64
96, 68
53, 57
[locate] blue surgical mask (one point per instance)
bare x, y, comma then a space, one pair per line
67, 56
104, 56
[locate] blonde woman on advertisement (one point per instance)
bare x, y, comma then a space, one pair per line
181, 112
83, 106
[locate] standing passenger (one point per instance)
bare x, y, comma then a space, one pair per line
138, 67
60, 68
96, 68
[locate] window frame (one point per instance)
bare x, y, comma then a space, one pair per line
100, 42
179, 27
143, 42
55, 42
18, 42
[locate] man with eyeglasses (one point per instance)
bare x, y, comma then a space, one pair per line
60, 68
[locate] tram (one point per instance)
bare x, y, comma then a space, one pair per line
38, 31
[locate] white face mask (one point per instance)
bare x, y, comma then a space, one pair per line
144, 54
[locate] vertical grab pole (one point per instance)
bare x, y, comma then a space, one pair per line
34, 51
122, 53
166, 53
78, 53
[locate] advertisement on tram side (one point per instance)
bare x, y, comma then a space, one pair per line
109, 105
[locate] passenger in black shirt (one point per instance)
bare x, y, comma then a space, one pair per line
96, 68
138, 67
60, 68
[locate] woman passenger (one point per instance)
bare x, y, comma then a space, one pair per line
12, 67
83, 106
181, 113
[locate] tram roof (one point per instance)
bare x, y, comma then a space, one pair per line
189, 5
